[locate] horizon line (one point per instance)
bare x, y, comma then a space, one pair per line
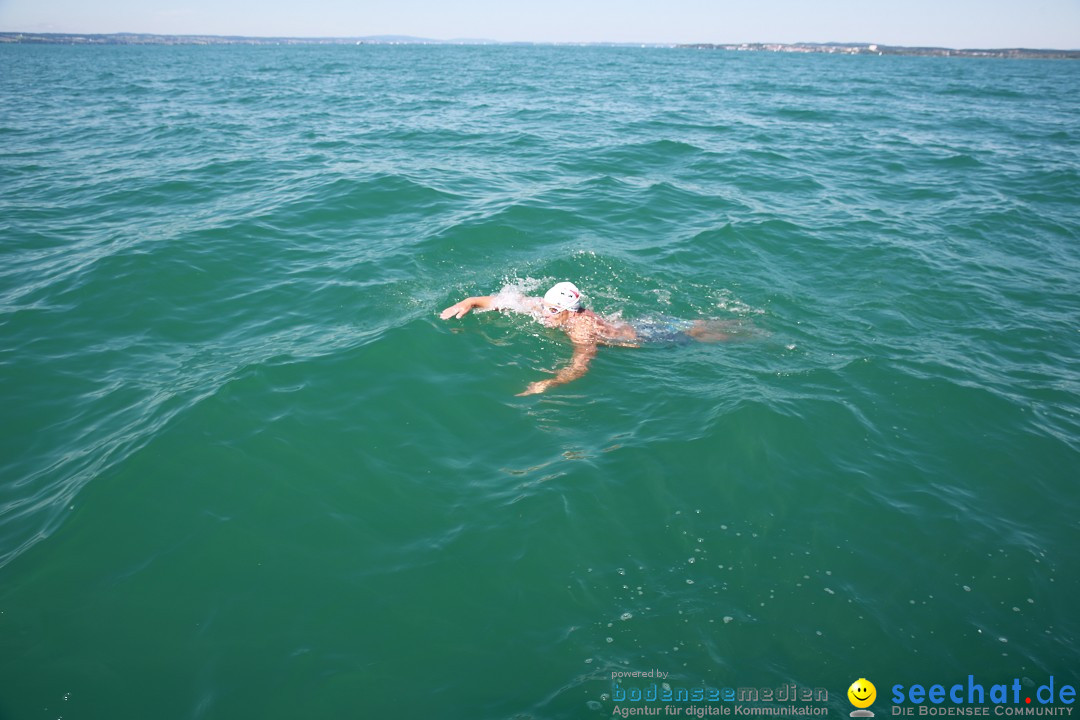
389, 38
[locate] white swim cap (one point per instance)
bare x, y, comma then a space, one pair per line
564, 296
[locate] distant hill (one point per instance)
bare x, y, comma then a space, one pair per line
152, 39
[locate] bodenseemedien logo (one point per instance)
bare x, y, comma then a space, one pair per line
861, 694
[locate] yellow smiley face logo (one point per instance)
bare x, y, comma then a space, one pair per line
862, 693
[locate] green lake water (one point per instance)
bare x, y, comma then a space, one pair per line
247, 472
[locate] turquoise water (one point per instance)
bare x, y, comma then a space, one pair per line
247, 472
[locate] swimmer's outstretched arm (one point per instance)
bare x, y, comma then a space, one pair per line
460, 309
519, 304
579, 364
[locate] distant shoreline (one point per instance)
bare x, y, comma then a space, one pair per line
874, 49
825, 48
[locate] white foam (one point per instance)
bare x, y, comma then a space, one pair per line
515, 296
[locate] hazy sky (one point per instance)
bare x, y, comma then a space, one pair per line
948, 23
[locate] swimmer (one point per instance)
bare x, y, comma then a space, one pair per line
561, 308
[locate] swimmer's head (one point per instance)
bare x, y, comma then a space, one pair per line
562, 296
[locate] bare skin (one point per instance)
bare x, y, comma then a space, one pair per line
586, 330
